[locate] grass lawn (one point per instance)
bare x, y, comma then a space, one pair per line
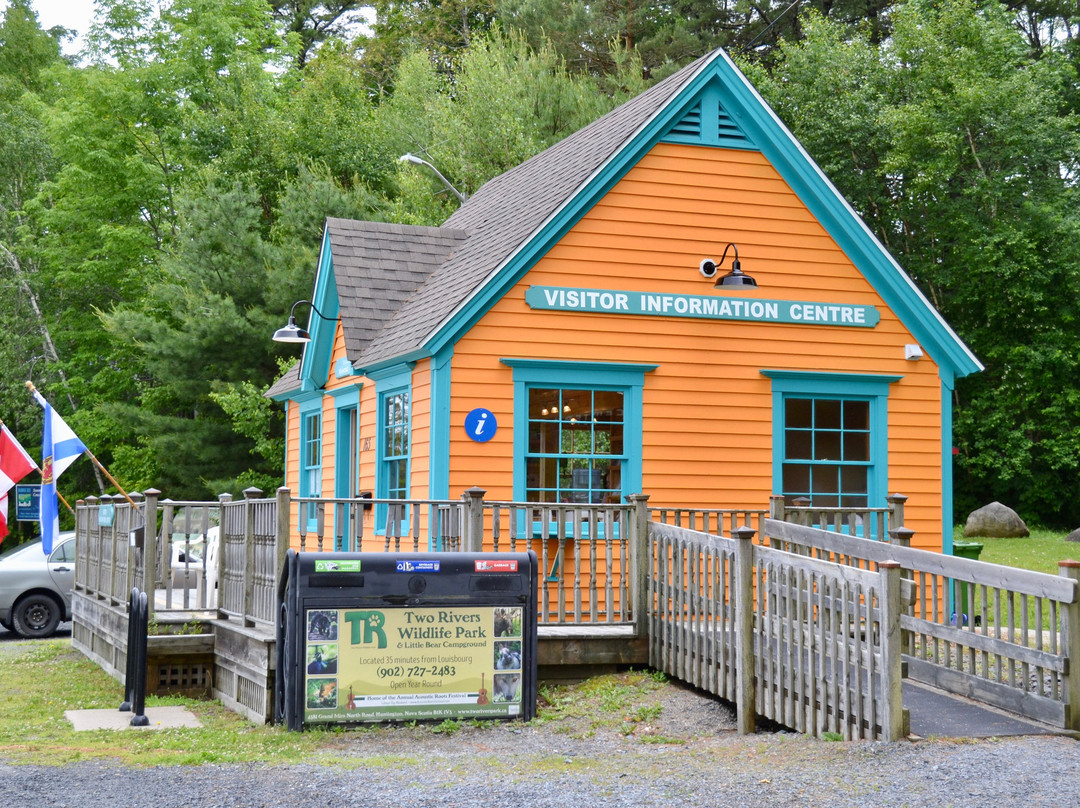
1041, 551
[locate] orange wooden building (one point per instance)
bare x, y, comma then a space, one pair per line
575, 333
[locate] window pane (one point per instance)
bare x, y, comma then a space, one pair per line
796, 479
797, 444
826, 414
544, 437
857, 415
826, 445
857, 446
543, 404
826, 480
798, 413
853, 479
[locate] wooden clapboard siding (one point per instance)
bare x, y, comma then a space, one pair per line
707, 424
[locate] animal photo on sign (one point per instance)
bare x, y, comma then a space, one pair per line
508, 656
322, 659
322, 625
321, 694
507, 622
506, 687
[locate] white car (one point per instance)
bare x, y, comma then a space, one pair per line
35, 591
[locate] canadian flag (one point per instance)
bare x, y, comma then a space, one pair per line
15, 464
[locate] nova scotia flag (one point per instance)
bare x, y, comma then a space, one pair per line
59, 449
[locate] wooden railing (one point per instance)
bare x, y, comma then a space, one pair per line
717, 521
583, 550
877, 524
1001, 635
811, 645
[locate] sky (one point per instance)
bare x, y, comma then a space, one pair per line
76, 14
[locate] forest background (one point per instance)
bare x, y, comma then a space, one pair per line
162, 194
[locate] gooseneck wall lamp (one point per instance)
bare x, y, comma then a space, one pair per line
291, 332
417, 161
736, 277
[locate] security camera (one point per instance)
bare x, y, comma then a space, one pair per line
707, 267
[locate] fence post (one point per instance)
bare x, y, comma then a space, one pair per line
282, 537
892, 702
640, 558
150, 546
776, 508
223, 500
896, 510
745, 684
250, 495
1070, 642
474, 522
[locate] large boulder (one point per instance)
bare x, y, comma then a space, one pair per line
996, 521
1074, 536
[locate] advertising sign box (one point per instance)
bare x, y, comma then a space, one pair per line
367, 637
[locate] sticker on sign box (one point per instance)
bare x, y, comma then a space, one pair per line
496, 565
418, 566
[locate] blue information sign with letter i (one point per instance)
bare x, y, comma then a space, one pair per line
481, 425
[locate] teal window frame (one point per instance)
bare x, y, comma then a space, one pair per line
389, 384
822, 386
626, 378
347, 446
310, 413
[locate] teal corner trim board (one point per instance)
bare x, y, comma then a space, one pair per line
439, 454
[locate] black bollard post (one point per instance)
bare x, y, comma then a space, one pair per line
129, 668
138, 702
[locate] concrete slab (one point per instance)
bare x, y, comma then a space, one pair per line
160, 718
933, 712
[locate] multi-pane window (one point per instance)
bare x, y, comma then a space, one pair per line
575, 449
827, 451
394, 445
311, 459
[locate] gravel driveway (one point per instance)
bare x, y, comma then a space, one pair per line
567, 764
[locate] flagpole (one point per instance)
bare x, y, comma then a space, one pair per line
88, 453
37, 468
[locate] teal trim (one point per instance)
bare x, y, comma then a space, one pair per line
315, 363
390, 366
285, 460
308, 396
873, 388
309, 409
760, 125
813, 381
707, 123
439, 451
390, 381
627, 378
843, 224
398, 373
346, 396
946, 470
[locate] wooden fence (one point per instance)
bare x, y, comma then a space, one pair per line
809, 644
1000, 635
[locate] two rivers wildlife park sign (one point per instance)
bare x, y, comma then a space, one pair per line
371, 637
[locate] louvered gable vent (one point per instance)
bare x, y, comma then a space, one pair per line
705, 123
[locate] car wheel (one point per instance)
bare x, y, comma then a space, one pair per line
36, 616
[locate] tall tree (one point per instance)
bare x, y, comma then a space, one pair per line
954, 144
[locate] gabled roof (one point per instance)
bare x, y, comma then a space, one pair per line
376, 267
508, 210
437, 282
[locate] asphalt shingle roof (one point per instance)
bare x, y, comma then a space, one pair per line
507, 211
397, 284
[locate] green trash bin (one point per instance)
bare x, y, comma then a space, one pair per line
960, 616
